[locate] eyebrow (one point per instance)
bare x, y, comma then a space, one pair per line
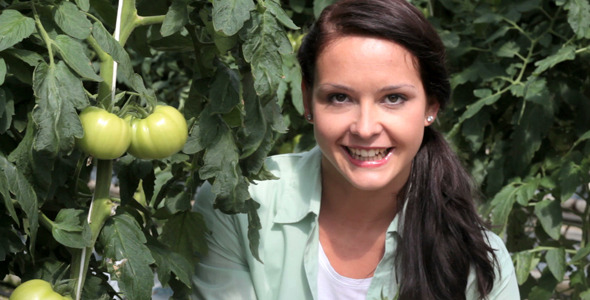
384, 89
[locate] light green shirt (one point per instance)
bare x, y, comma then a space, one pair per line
289, 243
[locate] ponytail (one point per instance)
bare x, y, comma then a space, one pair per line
442, 236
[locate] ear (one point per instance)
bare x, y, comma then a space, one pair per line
306, 93
431, 111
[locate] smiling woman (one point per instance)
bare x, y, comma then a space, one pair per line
381, 208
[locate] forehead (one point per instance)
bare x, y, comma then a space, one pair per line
351, 52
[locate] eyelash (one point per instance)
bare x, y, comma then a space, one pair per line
342, 98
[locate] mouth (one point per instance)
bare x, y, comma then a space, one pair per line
374, 154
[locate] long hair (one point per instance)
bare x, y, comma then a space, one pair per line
442, 236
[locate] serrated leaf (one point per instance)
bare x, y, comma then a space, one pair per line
71, 229
279, 13
485, 98
229, 16
170, 262
72, 20
14, 27
210, 127
225, 90
526, 191
544, 288
563, 54
221, 162
556, 262
528, 135
578, 17
23, 193
264, 44
255, 124
73, 54
509, 49
254, 227
549, 214
176, 17
59, 94
185, 233
127, 256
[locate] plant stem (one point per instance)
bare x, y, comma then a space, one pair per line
44, 35
99, 211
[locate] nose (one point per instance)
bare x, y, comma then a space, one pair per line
367, 122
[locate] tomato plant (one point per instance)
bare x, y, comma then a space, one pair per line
106, 136
36, 289
159, 135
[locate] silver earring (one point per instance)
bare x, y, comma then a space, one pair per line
430, 119
308, 117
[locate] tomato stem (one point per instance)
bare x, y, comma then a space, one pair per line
44, 35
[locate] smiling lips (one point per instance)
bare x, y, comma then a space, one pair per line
369, 157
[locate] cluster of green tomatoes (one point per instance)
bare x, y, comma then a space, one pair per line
107, 136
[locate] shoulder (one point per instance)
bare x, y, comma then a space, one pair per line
505, 284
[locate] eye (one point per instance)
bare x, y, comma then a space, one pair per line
338, 98
395, 99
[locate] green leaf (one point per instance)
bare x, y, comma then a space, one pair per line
221, 162
169, 262
508, 49
254, 227
2, 70
5, 192
71, 229
29, 57
176, 17
526, 191
265, 42
571, 177
113, 48
255, 124
585, 295
275, 8
528, 136
502, 206
14, 27
11, 241
563, 54
83, 4
582, 253
6, 110
72, 20
319, 5
73, 53
556, 263
229, 16
485, 98
525, 263
225, 90
127, 256
24, 195
185, 233
549, 213
544, 288
59, 94
578, 17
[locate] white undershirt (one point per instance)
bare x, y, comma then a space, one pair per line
333, 286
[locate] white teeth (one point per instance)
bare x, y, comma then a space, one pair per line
368, 155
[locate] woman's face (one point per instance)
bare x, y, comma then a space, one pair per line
369, 111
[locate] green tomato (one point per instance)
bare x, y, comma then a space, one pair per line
36, 289
106, 136
160, 135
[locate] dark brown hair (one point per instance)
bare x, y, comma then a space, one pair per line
442, 235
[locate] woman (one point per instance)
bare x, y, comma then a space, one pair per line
382, 207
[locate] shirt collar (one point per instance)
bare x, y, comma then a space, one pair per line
303, 189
